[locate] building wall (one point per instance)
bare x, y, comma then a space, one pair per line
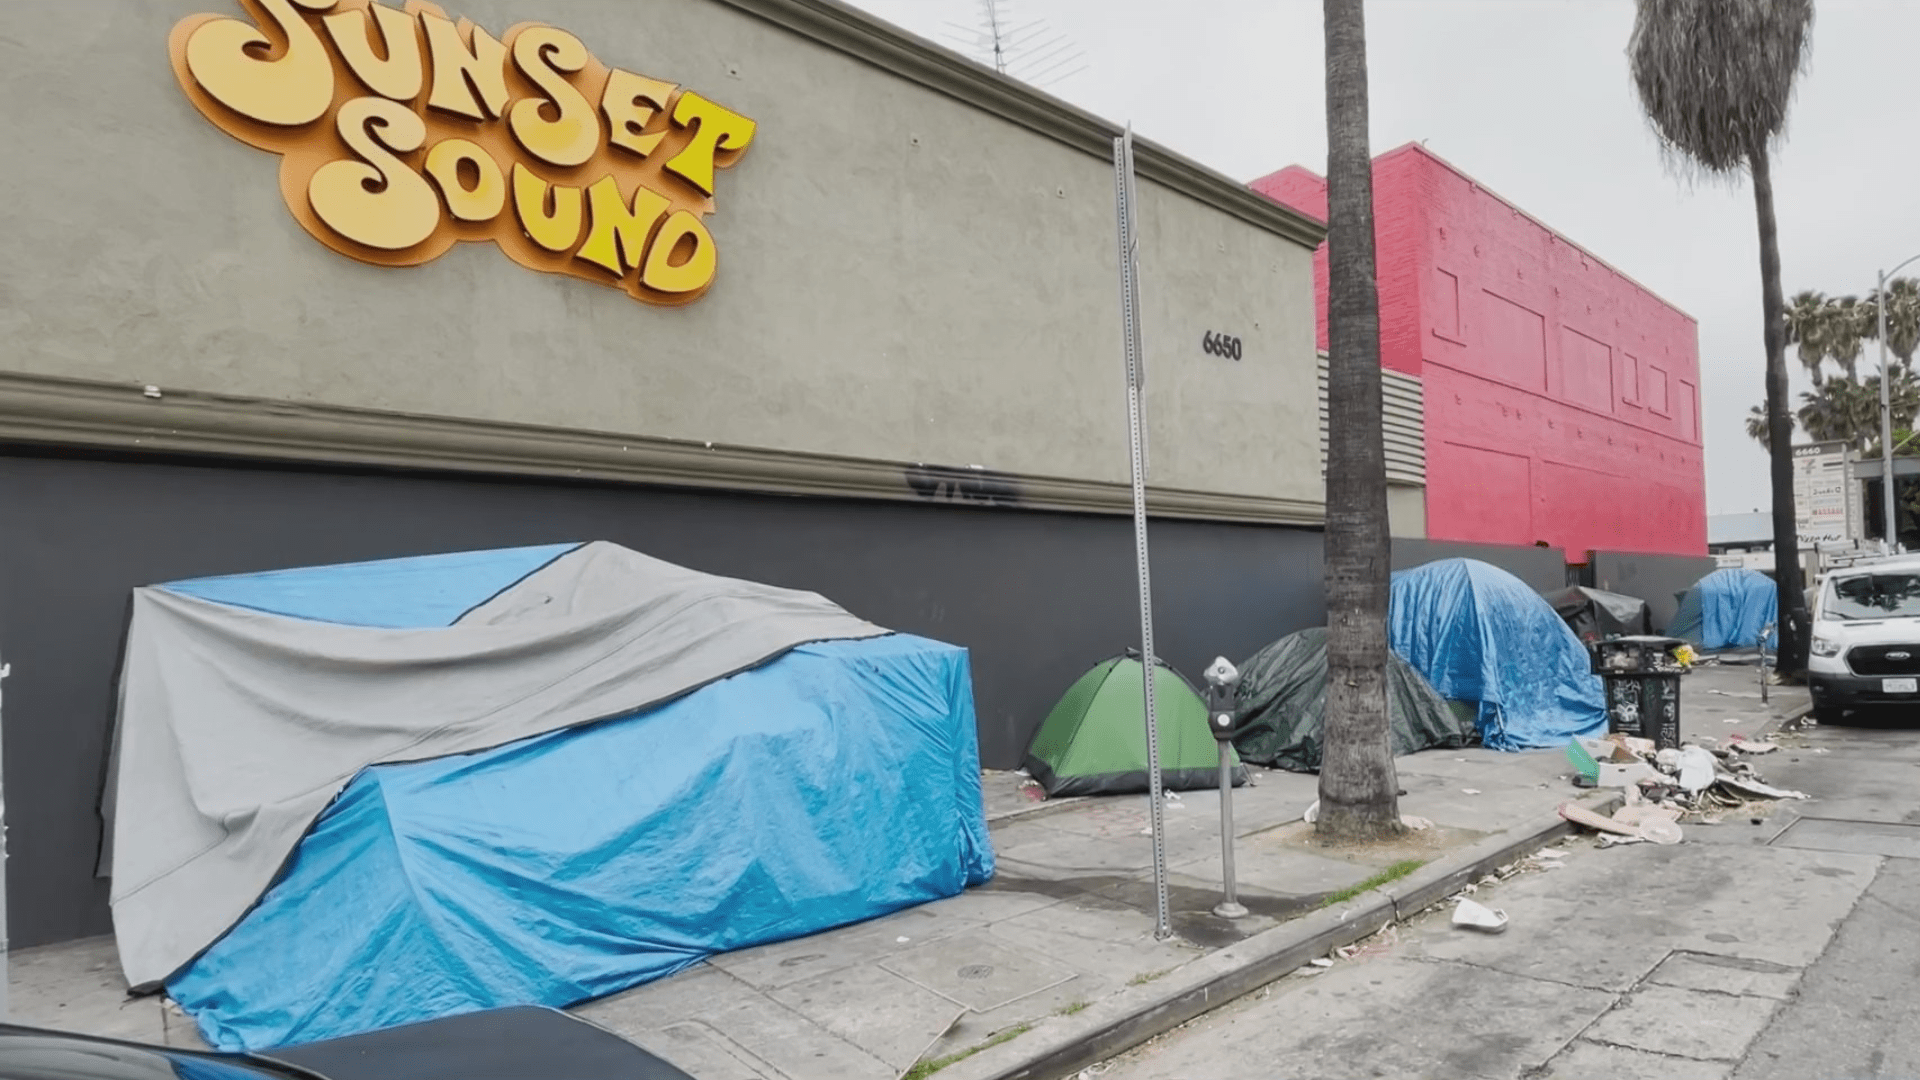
1562, 398
904, 275
914, 330
1037, 598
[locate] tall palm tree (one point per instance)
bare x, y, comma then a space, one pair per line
1715, 78
1806, 325
1358, 788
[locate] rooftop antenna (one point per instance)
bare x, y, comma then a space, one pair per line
1028, 50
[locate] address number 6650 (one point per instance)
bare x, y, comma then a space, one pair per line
1220, 345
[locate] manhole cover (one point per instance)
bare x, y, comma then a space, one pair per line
976, 971
1853, 837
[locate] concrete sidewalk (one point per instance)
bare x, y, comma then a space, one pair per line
1065, 926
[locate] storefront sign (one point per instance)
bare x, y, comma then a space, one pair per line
402, 132
1820, 503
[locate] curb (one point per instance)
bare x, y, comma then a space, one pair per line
1061, 1045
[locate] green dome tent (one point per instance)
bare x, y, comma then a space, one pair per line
1283, 701
1094, 742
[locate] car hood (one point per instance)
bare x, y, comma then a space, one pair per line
499, 1044
1871, 631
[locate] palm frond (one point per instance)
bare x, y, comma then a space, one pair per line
1715, 77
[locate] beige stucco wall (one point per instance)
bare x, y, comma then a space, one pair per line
902, 276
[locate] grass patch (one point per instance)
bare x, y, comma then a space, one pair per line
1146, 977
1392, 873
926, 1067
1069, 1010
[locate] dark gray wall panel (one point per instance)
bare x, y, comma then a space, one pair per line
1037, 597
1545, 569
1653, 578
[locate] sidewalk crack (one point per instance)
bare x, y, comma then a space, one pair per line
1512, 974
802, 1017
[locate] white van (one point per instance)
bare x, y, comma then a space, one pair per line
1866, 638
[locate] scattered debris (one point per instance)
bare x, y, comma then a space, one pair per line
1635, 823
904, 940
1696, 768
1318, 961
1313, 812
1692, 783
1478, 916
1750, 786
1469, 791
1417, 824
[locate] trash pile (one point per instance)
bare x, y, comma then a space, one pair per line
1664, 787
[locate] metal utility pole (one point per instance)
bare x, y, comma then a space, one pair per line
1123, 196
5, 670
1890, 528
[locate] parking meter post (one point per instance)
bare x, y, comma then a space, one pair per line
1222, 684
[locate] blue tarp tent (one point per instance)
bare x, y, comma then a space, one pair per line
1479, 634
1727, 609
831, 781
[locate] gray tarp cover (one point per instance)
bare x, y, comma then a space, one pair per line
1283, 704
1595, 613
237, 728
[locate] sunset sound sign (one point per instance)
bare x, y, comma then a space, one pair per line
402, 132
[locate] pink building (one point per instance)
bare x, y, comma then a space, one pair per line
1562, 397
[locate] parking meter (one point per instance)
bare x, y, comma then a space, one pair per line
1223, 688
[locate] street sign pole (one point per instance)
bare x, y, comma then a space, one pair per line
1123, 194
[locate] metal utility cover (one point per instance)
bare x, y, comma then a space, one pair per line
1854, 837
974, 971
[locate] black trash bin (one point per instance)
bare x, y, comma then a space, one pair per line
1642, 677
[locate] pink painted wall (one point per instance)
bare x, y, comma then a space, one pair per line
1562, 398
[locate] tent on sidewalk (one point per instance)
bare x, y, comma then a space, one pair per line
1595, 614
350, 797
1727, 609
1283, 705
1094, 741
1478, 634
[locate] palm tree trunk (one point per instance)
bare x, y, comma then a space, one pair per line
1794, 620
1357, 782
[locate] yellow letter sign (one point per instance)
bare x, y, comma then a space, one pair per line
402, 132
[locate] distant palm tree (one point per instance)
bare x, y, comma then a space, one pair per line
1715, 78
1806, 328
1848, 410
1848, 324
1757, 429
1903, 317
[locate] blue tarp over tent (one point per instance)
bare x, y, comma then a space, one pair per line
836, 782
1479, 634
1728, 609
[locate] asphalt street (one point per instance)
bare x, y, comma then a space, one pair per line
1786, 948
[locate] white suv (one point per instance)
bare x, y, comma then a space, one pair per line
1866, 638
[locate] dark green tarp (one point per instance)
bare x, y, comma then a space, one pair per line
1595, 614
1283, 700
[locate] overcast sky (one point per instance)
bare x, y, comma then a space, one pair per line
1531, 98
